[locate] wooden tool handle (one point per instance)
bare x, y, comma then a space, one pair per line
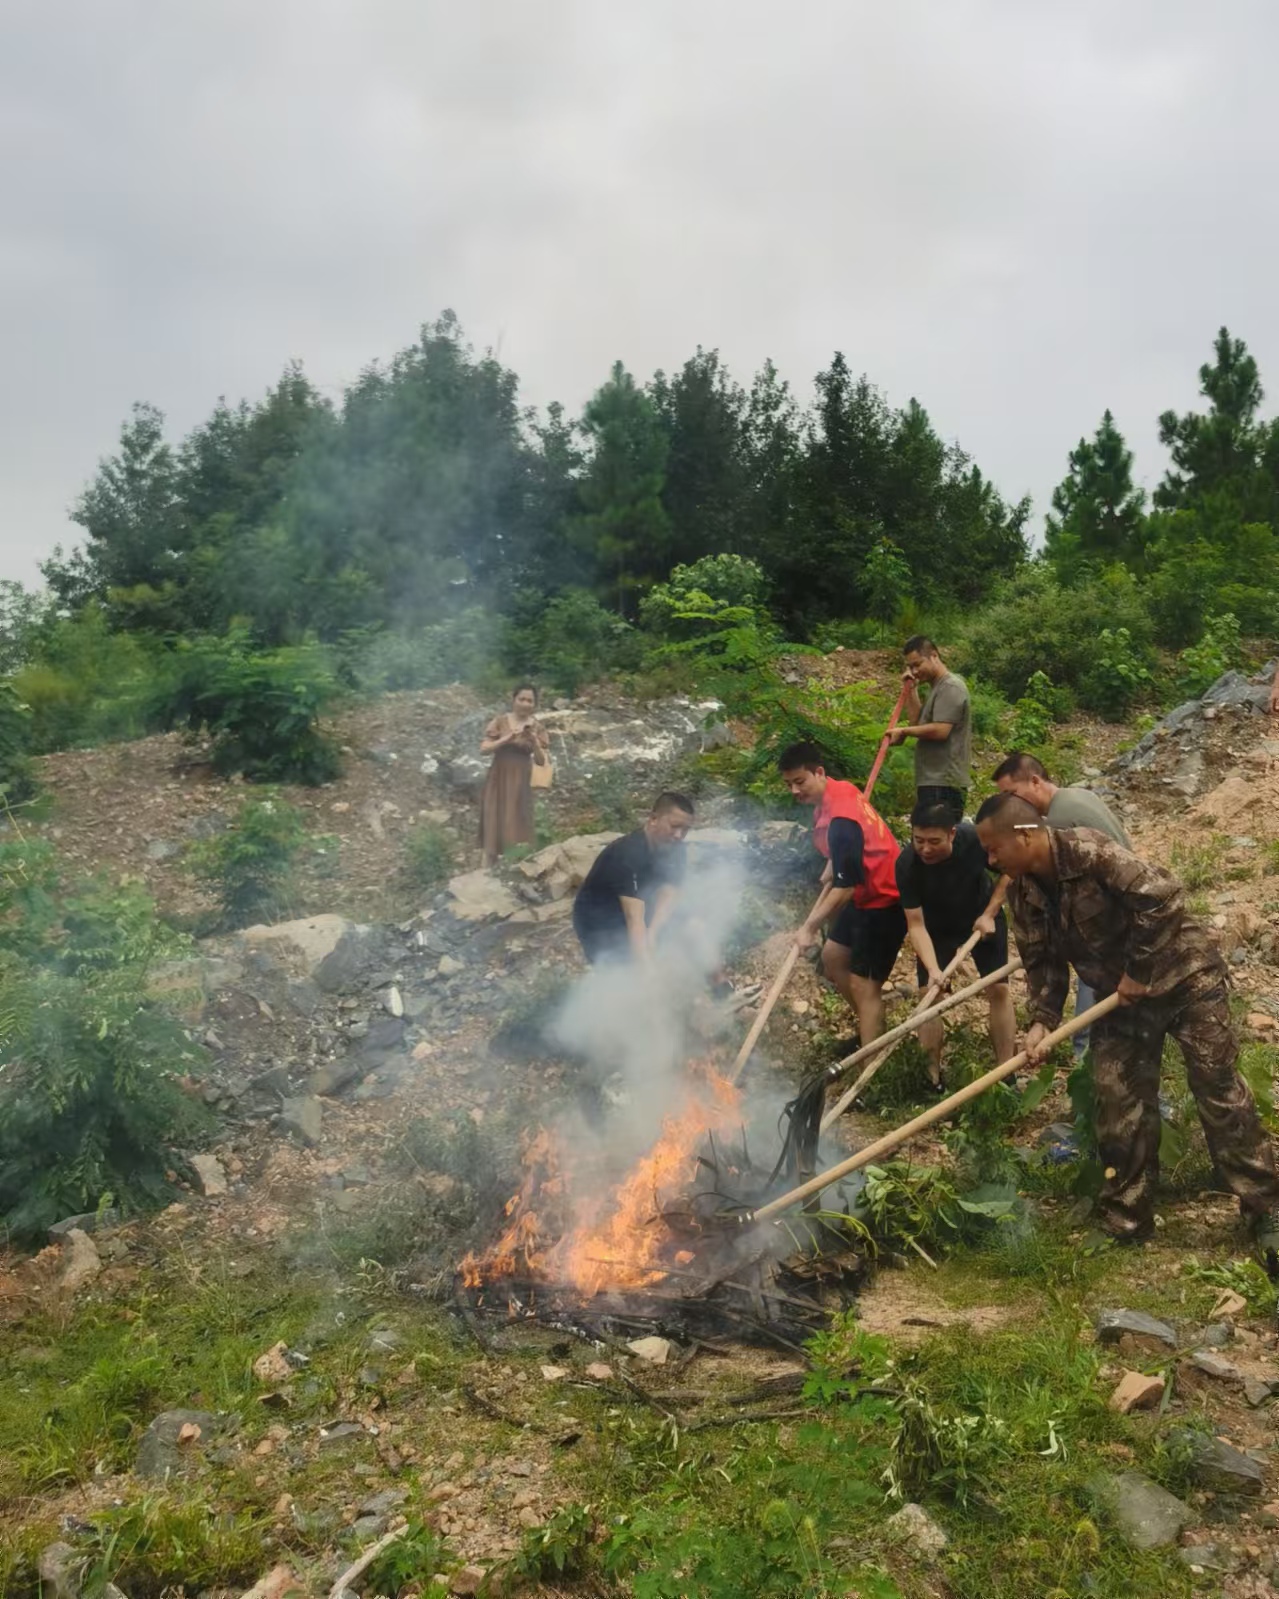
929, 1118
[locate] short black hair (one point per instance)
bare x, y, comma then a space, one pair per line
520, 687
1019, 764
671, 800
805, 754
919, 644
933, 813
1008, 811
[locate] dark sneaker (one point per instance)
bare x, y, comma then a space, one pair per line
1265, 1237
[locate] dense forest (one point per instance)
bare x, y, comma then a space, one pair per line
428, 526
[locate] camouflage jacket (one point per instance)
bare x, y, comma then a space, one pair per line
1108, 913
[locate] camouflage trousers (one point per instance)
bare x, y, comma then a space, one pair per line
1127, 1047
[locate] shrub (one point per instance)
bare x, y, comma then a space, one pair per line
249, 866
1200, 665
695, 598
1034, 714
1035, 625
432, 855
89, 1105
261, 708
1118, 675
85, 684
569, 640
462, 648
17, 781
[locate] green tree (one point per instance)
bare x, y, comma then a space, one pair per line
1220, 451
132, 516
1098, 514
623, 529
885, 580
704, 414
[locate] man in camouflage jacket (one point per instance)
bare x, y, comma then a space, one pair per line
1079, 899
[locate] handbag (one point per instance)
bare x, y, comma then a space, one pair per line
542, 776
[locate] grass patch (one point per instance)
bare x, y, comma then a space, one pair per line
1199, 865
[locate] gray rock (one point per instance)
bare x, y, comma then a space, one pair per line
1216, 1335
90, 1222
1233, 688
272, 1084
302, 1117
915, 1527
160, 1454
1209, 1557
1189, 774
303, 996
384, 1503
162, 849
1113, 1326
61, 1571
369, 1527
335, 1075
343, 967
339, 1432
1148, 1516
1214, 1365
1217, 1465
1256, 1391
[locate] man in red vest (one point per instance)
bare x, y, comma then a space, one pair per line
859, 905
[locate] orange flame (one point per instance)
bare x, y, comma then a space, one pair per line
625, 1243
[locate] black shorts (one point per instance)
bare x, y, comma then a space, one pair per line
954, 799
871, 937
988, 954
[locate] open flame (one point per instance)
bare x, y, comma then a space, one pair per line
619, 1240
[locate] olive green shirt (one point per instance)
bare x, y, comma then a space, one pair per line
945, 762
1080, 807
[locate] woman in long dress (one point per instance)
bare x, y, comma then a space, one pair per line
515, 740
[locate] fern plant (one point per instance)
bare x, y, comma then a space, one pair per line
89, 1100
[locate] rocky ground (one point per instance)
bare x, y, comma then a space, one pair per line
342, 1041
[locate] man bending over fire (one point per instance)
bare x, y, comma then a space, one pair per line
859, 904
947, 893
631, 891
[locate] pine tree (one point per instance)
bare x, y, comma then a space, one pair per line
1219, 453
1099, 515
623, 530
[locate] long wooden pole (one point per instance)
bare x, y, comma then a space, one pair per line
929, 1118
910, 1025
788, 965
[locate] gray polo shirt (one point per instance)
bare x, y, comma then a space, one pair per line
945, 762
1080, 807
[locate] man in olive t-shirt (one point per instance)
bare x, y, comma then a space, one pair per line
941, 727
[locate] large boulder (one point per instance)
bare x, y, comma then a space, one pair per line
331, 951
561, 868
478, 896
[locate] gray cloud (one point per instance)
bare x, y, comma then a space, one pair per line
1018, 211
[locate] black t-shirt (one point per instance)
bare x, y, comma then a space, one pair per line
952, 893
628, 868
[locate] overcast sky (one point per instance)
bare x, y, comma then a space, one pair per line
1019, 211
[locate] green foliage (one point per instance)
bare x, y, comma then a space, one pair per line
569, 640
84, 683
166, 1540
462, 648
17, 778
845, 723
1245, 1277
1200, 665
249, 865
431, 854
415, 1557
886, 579
1199, 865
89, 1105
988, 709
560, 1548
1034, 714
698, 598
260, 707
1034, 625
609, 790
1099, 515
1118, 675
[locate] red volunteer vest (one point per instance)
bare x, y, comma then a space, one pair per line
879, 860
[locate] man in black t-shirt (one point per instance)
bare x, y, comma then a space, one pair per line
944, 879
630, 893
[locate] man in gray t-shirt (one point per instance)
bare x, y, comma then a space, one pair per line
941, 726
1028, 778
